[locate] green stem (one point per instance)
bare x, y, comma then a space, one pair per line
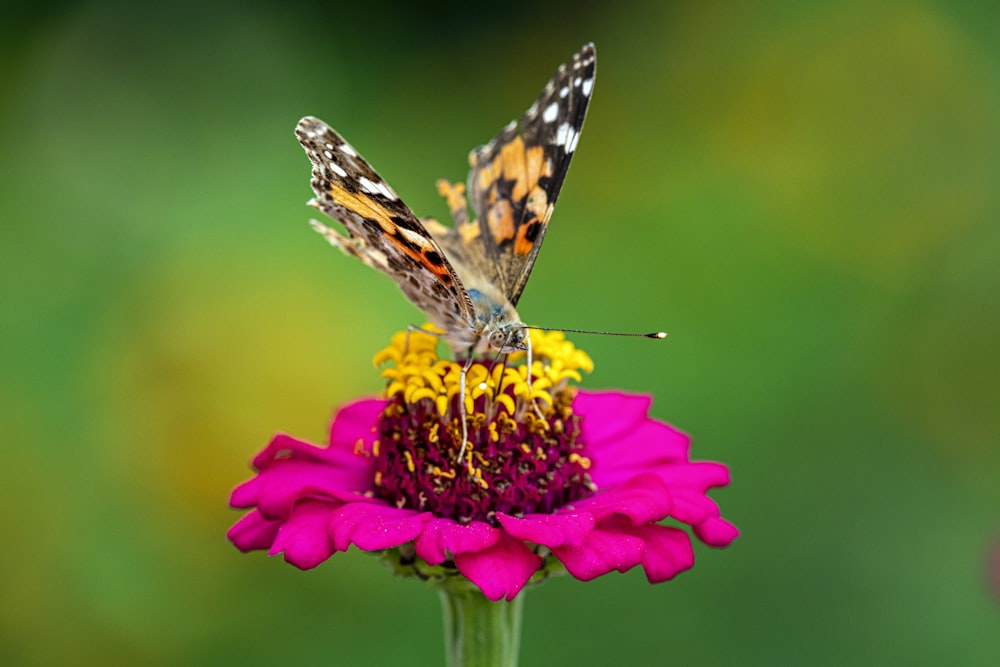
477, 632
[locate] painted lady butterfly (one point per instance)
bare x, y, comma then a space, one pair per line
468, 278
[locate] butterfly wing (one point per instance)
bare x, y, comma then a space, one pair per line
515, 179
382, 231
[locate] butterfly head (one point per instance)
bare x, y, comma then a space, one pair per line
498, 327
507, 338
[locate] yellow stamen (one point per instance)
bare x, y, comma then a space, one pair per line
447, 474
418, 374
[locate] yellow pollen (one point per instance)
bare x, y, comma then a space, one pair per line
375, 446
582, 461
447, 474
378, 478
409, 461
479, 479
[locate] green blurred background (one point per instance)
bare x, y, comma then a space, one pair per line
805, 195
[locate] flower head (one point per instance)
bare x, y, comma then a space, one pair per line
548, 475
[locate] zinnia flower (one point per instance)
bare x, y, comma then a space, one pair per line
551, 477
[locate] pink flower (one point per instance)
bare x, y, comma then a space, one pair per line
589, 489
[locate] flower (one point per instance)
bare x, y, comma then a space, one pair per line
549, 476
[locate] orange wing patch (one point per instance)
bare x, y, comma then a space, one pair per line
363, 205
522, 168
500, 219
410, 243
526, 235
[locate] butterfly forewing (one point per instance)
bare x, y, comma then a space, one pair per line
515, 179
383, 232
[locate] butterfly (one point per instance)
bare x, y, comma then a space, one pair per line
468, 278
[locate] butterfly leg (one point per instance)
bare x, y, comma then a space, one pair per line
534, 403
461, 407
347, 245
413, 327
499, 388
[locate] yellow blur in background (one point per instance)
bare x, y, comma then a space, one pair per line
804, 195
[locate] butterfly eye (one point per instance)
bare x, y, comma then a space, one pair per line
498, 339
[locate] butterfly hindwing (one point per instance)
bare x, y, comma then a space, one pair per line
515, 179
383, 232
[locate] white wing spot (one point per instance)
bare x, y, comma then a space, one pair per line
338, 170
588, 86
550, 112
328, 154
533, 109
564, 91
567, 137
386, 190
380, 188
412, 237
346, 148
577, 81
329, 146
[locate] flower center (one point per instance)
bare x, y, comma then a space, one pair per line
523, 453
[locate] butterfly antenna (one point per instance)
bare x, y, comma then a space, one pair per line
655, 334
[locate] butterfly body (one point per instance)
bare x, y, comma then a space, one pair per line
466, 278
497, 325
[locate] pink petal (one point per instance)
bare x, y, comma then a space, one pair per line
303, 537
291, 470
373, 526
610, 547
356, 421
245, 495
716, 532
253, 531
700, 475
610, 415
701, 512
642, 498
646, 446
552, 530
668, 552
500, 571
285, 484
284, 447
442, 537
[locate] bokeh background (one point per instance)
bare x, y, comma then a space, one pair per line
804, 194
